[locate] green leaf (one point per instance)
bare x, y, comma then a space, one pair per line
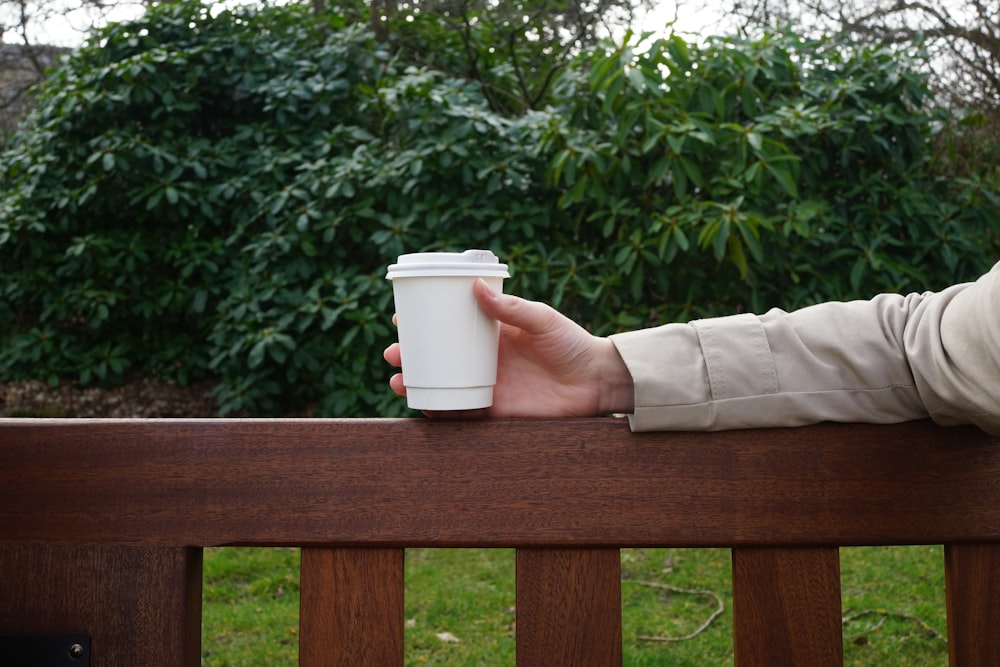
199, 301
636, 78
752, 240
154, 199
677, 47
256, 356
784, 178
650, 143
681, 238
692, 171
720, 239
736, 255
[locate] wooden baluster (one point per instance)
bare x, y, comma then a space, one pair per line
569, 607
786, 607
972, 584
139, 605
351, 607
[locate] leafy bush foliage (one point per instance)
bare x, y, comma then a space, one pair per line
748, 175
218, 195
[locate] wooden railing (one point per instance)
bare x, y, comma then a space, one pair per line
102, 525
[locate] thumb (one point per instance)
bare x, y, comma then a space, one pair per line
532, 316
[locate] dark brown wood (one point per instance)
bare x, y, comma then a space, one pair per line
494, 483
972, 584
569, 608
567, 493
351, 607
786, 607
139, 605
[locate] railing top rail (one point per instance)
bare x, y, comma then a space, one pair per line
419, 482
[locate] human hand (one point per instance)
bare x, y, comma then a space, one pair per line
548, 365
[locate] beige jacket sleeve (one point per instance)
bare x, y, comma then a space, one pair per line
893, 358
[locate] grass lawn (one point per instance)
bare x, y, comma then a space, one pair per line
460, 607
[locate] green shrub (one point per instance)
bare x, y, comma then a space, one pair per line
204, 195
220, 195
747, 175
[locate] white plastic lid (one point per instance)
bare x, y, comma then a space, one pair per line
469, 263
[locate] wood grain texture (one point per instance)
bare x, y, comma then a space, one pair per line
972, 585
569, 608
351, 607
140, 605
787, 607
566, 493
494, 483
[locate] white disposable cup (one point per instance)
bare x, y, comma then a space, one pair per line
448, 346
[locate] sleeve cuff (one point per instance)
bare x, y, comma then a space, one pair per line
682, 371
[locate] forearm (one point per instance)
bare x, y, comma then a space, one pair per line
890, 359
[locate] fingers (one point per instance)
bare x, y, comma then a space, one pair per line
396, 384
532, 316
393, 355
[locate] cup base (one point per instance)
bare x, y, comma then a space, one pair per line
451, 398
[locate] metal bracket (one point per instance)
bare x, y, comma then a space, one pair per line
45, 650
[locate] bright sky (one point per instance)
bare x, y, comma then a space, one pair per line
692, 16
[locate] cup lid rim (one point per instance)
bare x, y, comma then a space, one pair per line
473, 255
468, 263
463, 269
